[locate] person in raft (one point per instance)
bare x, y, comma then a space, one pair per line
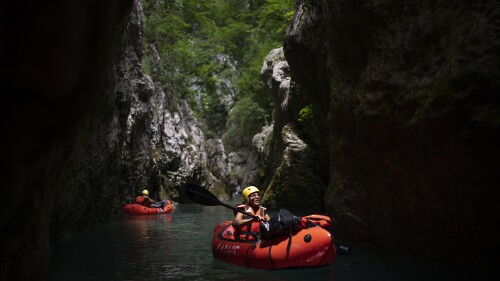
146, 201
246, 227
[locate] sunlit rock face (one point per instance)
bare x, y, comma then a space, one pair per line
217, 159
413, 120
296, 168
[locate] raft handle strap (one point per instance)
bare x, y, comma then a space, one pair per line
289, 242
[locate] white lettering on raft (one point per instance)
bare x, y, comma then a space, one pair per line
227, 249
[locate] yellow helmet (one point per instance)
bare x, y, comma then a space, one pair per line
145, 192
247, 191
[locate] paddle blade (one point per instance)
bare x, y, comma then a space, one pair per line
200, 195
342, 249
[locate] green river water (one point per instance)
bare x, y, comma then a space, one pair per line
176, 246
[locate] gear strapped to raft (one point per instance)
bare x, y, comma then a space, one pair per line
285, 223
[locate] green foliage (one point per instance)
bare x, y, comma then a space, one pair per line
244, 121
211, 50
305, 113
215, 114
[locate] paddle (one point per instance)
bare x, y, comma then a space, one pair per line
204, 197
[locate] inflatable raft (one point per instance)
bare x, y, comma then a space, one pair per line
309, 247
137, 209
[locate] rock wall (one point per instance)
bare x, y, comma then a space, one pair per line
85, 128
292, 152
413, 94
137, 135
52, 56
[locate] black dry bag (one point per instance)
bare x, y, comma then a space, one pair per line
278, 226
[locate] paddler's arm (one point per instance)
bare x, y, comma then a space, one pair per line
267, 217
149, 200
239, 221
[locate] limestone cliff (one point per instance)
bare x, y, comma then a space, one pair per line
412, 90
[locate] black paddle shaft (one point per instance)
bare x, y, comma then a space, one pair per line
204, 197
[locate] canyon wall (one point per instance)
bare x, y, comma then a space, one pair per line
85, 128
52, 58
136, 135
413, 119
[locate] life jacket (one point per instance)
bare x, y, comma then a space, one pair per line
141, 200
250, 231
